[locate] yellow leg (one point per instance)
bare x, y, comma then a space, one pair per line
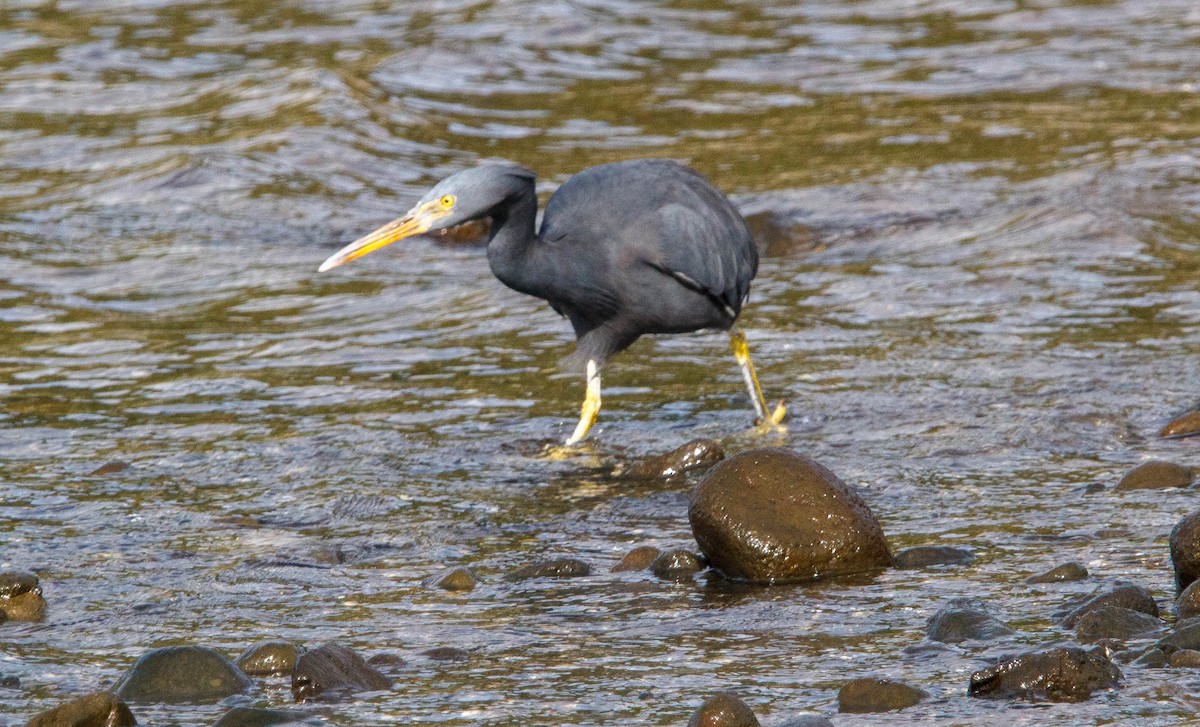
591, 405
741, 351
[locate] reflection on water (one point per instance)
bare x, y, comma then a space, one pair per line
980, 297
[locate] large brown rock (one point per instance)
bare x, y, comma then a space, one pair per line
1156, 475
331, 673
723, 709
21, 597
1185, 425
774, 516
1062, 674
877, 695
1185, 551
95, 710
182, 674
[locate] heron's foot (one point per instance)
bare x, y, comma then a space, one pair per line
563, 452
773, 422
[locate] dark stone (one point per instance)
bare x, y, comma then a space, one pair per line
723, 709
966, 619
676, 564
1060, 674
21, 597
877, 695
807, 720
387, 662
255, 717
1185, 659
1186, 425
1156, 475
182, 674
455, 579
774, 516
1185, 636
8, 681
1154, 658
556, 568
697, 455
101, 709
331, 673
1072, 571
110, 468
269, 659
1188, 603
1125, 595
446, 653
1114, 622
924, 556
1185, 551
639, 558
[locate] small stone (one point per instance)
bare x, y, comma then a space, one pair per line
1185, 551
1156, 475
387, 661
862, 696
1061, 674
109, 468
1185, 636
697, 455
1154, 658
100, 709
331, 673
269, 659
806, 720
446, 653
639, 558
723, 709
182, 674
677, 564
8, 681
1113, 622
1185, 659
21, 597
1070, 571
1124, 595
966, 619
555, 568
455, 579
1188, 603
255, 717
925, 556
774, 516
1182, 426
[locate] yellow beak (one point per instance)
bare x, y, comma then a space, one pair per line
419, 220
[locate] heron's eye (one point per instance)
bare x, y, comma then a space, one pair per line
447, 202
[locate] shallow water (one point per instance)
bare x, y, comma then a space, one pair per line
979, 297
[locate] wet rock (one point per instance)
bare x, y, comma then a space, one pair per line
1114, 622
774, 516
1186, 425
555, 568
1188, 603
182, 674
1156, 475
21, 597
806, 720
966, 619
1060, 674
269, 659
455, 579
1184, 659
697, 455
101, 709
254, 717
1185, 636
639, 558
8, 681
1154, 658
109, 468
723, 709
331, 673
446, 653
1071, 571
676, 564
1185, 551
877, 695
924, 556
387, 662
1124, 595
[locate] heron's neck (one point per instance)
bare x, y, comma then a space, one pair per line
513, 247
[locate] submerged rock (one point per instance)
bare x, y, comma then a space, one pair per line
676, 564
1114, 622
1071, 571
101, 709
446, 653
723, 709
255, 717
966, 619
387, 662
1185, 659
867, 695
1185, 425
269, 658
1188, 603
697, 455
639, 558
1156, 475
21, 597
1061, 674
925, 556
331, 672
774, 516
455, 579
555, 568
1185, 636
1124, 595
806, 720
1185, 551
182, 674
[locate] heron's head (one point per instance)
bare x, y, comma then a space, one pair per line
468, 195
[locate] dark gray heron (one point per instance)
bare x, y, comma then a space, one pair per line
625, 249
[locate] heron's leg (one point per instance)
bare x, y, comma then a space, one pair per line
591, 404
741, 351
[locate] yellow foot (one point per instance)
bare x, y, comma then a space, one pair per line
773, 423
564, 452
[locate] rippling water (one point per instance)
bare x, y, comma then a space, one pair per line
980, 296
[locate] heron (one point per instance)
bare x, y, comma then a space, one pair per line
625, 249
